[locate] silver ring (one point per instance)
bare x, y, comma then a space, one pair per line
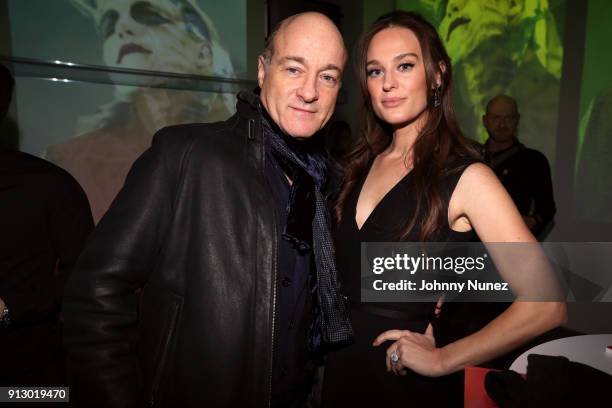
394, 357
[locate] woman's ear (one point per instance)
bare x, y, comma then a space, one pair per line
442, 67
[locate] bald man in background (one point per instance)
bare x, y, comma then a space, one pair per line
224, 229
524, 172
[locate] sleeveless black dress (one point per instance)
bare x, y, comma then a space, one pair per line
356, 375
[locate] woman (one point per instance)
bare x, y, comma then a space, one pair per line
413, 169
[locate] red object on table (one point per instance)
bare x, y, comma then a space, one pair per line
475, 395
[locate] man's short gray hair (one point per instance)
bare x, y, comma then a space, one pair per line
268, 51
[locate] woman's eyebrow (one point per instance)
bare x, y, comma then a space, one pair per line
396, 58
404, 55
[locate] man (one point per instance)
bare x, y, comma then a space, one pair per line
44, 221
524, 172
220, 225
172, 36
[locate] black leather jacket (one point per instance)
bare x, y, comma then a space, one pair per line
194, 227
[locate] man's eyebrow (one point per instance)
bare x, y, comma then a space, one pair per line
331, 67
302, 61
396, 58
292, 58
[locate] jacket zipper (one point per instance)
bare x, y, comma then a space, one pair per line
274, 283
274, 273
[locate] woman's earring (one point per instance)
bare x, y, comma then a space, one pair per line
437, 96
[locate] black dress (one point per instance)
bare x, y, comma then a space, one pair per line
356, 375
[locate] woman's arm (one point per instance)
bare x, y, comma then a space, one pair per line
481, 201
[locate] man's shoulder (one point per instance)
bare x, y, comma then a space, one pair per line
534, 155
29, 167
188, 134
22, 162
186, 131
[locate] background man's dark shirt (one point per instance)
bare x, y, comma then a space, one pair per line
525, 174
44, 221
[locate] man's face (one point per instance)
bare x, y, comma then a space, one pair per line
501, 120
300, 85
148, 35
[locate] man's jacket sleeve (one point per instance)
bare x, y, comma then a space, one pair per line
101, 297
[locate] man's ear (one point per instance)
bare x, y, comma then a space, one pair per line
261, 70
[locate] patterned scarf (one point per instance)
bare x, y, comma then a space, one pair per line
331, 325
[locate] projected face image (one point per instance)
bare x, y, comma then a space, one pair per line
488, 38
149, 35
153, 35
469, 23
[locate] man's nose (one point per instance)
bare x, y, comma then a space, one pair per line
309, 91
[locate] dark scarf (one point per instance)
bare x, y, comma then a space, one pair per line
331, 325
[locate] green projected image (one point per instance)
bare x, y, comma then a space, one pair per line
501, 46
593, 180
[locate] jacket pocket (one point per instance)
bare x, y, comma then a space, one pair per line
160, 317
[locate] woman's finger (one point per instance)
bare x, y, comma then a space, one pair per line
389, 335
393, 358
439, 304
429, 331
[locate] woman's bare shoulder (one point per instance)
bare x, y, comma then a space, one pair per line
478, 178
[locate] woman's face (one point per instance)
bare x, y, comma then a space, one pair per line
396, 76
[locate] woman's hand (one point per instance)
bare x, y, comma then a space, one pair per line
415, 351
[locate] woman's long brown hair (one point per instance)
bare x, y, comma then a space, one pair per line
439, 144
